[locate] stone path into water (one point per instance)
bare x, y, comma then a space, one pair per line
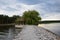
35, 33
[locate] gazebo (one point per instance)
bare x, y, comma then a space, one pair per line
20, 21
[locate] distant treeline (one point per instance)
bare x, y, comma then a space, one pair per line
4, 19
52, 21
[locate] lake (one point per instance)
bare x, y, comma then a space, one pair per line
7, 31
53, 27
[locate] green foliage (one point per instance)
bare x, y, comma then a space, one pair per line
14, 18
31, 17
28, 17
4, 19
17, 21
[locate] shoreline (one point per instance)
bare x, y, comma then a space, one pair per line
36, 33
51, 32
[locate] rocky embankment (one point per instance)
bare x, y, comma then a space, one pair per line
35, 33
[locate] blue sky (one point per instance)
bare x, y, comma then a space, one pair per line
48, 9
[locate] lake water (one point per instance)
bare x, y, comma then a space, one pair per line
53, 27
6, 33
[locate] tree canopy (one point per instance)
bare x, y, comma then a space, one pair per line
4, 19
31, 17
28, 17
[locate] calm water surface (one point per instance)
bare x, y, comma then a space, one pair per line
54, 27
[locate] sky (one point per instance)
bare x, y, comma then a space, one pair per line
48, 9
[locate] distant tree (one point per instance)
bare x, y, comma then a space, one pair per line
14, 17
17, 21
1, 19
31, 17
4, 19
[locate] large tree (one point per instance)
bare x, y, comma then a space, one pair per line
31, 17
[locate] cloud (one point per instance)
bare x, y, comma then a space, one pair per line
29, 2
52, 16
46, 8
15, 9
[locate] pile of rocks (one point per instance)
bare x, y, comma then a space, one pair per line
44, 34
31, 32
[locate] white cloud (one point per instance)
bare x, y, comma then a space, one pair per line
18, 8
12, 7
52, 16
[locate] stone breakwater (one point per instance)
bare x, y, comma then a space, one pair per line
31, 32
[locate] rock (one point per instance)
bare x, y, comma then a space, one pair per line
31, 32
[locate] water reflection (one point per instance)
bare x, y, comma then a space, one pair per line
7, 32
54, 27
